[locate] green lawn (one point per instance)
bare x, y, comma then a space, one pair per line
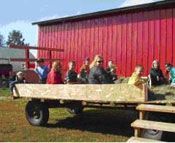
94, 125
4, 92
97, 125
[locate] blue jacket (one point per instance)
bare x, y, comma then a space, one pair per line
172, 74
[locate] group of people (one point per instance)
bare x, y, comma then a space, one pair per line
96, 73
155, 77
93, 73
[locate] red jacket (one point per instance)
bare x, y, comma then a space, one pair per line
54, 78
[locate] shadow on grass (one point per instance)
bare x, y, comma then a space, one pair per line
115, 122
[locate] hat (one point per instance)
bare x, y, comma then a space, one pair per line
40, 60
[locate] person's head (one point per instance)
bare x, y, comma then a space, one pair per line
156, 64
110, 64
56, 66
139, 70
87, 61
168, 66
71, 65
20, 75
98, 61
40, 62
24, 66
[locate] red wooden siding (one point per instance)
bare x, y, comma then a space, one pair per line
127, 39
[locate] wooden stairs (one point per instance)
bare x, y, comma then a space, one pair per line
142, 124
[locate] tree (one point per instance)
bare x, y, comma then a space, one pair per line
15, 37
1, 40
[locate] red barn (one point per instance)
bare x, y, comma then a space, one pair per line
128, 36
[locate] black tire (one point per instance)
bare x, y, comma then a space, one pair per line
152, 134
75, 110
37, 113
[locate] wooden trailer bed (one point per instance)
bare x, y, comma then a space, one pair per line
116, 93
76, 97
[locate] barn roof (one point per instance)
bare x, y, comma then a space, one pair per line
149, 6
8, 53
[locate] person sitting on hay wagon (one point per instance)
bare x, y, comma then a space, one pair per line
111, 71
71, 76
137, 80
84, 72
171, 71
18, 79
98, 74
42, 70
156, 75
55, 75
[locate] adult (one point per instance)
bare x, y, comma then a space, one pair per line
156, 75
55, 76
97, 74
42, 70
171, 70
84, 71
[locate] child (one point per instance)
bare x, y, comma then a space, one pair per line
84, 71
19, 79
112, 74
171, 71
136, 79
110, 66
42, 70
71, 76
55, 76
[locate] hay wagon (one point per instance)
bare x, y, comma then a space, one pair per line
76, 97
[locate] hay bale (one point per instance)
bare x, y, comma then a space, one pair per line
164, 92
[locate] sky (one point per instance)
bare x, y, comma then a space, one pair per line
19, 14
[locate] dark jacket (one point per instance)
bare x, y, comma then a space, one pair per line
16, 81
98, 75
157, 77
71, 76
112, 76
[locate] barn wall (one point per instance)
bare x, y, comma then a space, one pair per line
128, 39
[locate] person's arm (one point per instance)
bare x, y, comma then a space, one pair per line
12, 85
36, 70
67, 77
102, 76
162, 77
49, 78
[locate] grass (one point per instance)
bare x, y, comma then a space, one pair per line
164, 92
4, 92
95, 125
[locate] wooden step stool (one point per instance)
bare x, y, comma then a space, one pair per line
154, 125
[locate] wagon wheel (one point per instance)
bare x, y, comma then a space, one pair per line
37, 113
152, 134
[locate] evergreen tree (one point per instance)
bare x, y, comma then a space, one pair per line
1, 41
15, 37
